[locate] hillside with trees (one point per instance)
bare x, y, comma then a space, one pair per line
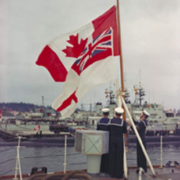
20, 107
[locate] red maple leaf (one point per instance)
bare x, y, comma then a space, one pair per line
76, 48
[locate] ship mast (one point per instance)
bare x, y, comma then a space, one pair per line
121, 56
111, 96
139, 93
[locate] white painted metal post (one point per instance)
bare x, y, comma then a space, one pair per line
161, 151
18, 164
138, 137
65, 153
125, 162
140, 173
16, 167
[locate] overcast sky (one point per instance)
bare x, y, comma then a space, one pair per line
150, 31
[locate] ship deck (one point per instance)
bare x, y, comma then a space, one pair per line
165, 173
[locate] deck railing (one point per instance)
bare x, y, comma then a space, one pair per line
17, 169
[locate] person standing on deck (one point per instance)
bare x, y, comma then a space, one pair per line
141, 128
103, 124
117, 127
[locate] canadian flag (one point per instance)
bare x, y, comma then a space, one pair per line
83, 59
37, 128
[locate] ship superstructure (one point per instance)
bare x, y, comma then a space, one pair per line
159, 118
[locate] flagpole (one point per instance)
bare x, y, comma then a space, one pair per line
122, 84
123, 95
121, 56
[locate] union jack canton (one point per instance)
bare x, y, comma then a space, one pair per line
98, 49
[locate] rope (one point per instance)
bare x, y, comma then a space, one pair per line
37, 176
6, 172
76, 163
77, 174
72, 135
40, 156
73, 154
52, 177
48, 156
148, 176
129, 159
6, 161
59, 176
6, 149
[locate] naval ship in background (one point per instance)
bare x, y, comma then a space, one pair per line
51, 124
160, 122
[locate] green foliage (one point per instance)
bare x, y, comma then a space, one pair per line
21, 107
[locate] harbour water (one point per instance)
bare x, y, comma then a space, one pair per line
53, 157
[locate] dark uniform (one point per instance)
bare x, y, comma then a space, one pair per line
103, 125
141, 160
117, 128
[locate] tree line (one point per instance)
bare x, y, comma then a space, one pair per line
21, 107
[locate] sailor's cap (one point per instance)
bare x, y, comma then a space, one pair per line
146, 113
119, 110
105, 110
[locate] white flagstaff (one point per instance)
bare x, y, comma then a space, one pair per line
137, 135
161, 151
65, 153
18, 164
